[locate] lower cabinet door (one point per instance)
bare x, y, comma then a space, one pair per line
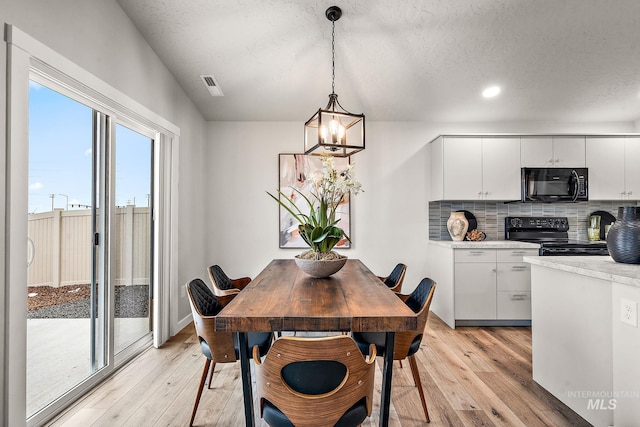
475, 291
514, 305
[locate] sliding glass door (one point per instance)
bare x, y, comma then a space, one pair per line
133, 236
61, 273
90, 241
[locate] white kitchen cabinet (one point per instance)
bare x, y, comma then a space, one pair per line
552, 151
475, 168
612, 162
500, 168
631, 169
462, 168
492, 284
513, 289
475, 284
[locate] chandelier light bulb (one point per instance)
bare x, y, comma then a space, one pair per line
333, 126
323, 132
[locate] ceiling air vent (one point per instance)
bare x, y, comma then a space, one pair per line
212, 85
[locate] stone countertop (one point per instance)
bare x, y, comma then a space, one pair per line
485, 244
599, 267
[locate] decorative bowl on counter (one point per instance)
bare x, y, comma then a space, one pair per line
475, 235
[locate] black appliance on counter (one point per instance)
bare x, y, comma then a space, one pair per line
555, 185
552, 235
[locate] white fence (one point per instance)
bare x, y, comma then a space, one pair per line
61, 243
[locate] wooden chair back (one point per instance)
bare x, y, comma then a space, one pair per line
222, 284
204, 307
304, 409
395, 279
419, 301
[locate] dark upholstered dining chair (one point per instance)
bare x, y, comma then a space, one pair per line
222, 284
394, 280
307, 382
407, 343
217, 347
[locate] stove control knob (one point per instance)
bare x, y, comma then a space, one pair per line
516, 222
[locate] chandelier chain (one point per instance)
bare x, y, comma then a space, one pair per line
333, 56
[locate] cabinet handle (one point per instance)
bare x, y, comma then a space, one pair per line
519, 267
519, 297
494, 270
518, 252
629, 193
551, 161
476, 252
557, 161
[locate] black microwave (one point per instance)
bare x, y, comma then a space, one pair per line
555, 185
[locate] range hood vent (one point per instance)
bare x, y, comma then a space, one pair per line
211, 84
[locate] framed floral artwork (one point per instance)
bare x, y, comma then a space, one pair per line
296, 172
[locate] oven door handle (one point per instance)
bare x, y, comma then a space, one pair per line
576, 185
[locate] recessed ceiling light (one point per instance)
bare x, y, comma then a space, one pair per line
490, 92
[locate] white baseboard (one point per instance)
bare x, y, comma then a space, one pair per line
183, 323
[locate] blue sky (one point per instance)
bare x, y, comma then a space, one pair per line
60, 155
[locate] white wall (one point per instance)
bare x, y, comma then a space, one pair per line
97, 36
389, 220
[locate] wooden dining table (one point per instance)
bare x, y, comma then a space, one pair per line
284, 298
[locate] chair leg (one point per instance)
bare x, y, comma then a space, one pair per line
213, 367
416, 380
200, 387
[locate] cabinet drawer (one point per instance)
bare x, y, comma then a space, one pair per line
514, 276
515, 255
475, 255
513, 305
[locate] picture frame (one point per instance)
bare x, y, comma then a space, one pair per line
295, 172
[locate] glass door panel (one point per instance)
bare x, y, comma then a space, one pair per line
133, 239
61, 272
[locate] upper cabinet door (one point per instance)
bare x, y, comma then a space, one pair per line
605, 157
631, 169
436, 150
501, 168
462, 168
536, 152
569, 151
552, 151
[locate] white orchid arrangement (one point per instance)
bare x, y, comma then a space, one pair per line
319, 227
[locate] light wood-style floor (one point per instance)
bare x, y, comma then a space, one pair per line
471, 376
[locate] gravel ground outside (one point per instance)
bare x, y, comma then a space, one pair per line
46, 302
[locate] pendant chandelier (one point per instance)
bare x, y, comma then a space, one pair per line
334, 130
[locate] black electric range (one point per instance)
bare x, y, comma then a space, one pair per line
552, 235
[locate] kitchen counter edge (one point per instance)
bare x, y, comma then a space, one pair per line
599, 267
485, 244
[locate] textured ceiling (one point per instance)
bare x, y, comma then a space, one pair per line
569, 60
